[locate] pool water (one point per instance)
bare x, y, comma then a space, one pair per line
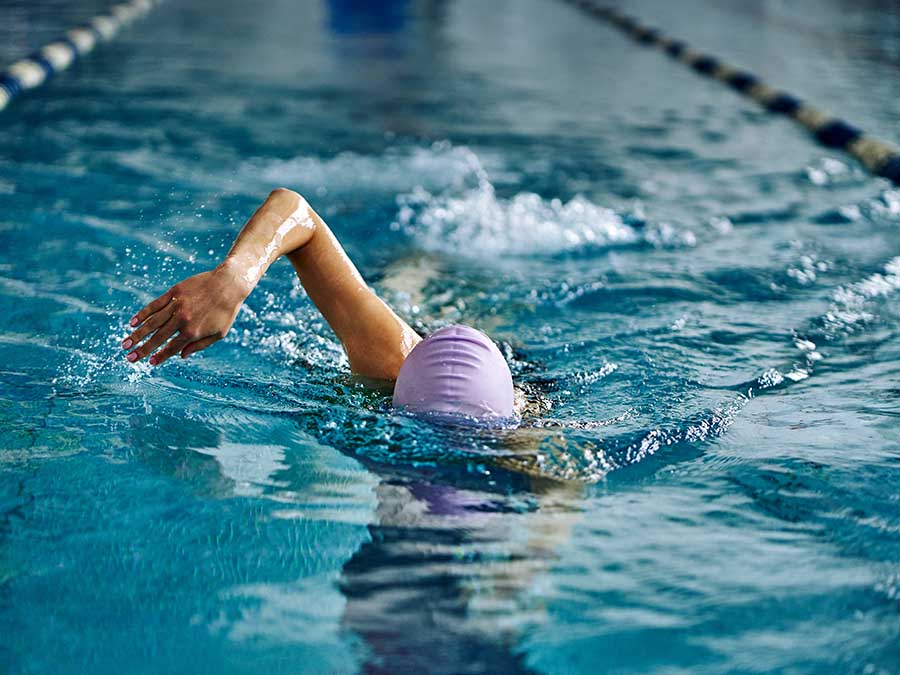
705, 303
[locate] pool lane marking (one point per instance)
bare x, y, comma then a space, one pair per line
877, 156
35, 70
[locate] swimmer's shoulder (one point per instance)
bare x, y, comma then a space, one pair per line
529, 402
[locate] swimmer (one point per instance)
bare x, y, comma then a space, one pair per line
456, 371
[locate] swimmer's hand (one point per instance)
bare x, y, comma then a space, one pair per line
199, 311
190, 316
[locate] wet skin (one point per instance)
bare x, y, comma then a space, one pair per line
200, 310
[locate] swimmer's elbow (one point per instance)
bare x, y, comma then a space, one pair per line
291, 205
284, 193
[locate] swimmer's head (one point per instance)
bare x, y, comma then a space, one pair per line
456, 371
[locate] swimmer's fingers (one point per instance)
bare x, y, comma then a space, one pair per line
176, 344
151, 309
151, 345
198, 345
151, 324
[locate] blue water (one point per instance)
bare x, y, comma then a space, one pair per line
700, 302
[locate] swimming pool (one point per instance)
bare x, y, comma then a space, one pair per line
707, 301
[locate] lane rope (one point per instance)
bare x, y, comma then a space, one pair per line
36, 69
877, 156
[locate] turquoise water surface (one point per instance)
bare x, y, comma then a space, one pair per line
705, 304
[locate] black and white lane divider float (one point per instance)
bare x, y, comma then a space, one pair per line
877, 156
52, 58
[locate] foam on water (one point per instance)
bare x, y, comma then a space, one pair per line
480, 224
474, 221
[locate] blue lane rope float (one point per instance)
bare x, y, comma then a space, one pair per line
877, 156
52, 58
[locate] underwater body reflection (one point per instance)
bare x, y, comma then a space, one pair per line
445, 578
447, 573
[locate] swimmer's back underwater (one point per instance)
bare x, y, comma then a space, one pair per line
457, 371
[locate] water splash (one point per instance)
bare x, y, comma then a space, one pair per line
446, 200
851, 305
476, 222
850, 310
808, 269
479, 223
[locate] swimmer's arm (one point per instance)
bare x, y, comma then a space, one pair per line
200, 310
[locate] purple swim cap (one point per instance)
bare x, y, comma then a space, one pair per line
456, 370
